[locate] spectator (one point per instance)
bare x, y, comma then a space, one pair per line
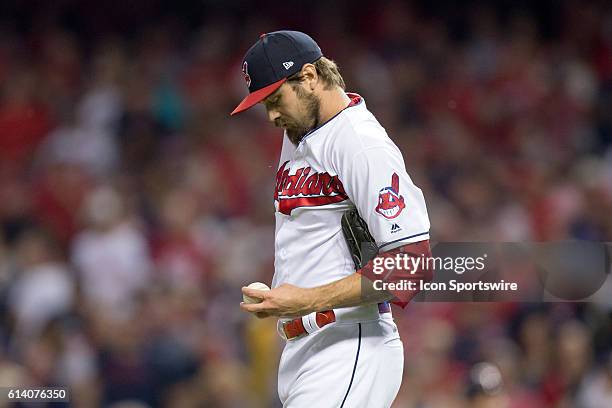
44, 288
111, 255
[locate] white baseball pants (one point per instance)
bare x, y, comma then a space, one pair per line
345, 364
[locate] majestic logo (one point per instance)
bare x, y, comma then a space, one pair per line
395, 228
245, 72
390, 202
304, 189
288, 64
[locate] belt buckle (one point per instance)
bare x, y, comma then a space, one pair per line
280, 328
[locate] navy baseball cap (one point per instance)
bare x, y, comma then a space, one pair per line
271, 60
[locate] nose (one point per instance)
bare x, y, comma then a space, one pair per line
273, 115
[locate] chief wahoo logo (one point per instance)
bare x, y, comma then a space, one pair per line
245, 72
390, 202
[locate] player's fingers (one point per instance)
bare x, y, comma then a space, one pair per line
246, 308
253, 307
259, 294
261, 310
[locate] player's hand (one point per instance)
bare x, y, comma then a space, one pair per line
286, 301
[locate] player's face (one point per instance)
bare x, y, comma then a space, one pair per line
294, 109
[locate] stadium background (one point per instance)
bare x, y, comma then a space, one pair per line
132, 209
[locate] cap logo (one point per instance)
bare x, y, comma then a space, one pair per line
288, 64
245, 72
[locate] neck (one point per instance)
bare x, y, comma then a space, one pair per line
332, 102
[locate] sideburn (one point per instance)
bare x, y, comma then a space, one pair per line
312, 106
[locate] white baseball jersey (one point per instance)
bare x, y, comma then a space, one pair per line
347, 162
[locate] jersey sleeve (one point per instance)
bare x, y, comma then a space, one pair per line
376, 181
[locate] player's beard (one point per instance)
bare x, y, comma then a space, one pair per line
297, 128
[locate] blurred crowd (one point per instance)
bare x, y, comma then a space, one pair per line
132, 209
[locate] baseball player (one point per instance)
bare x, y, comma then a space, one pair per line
342, 346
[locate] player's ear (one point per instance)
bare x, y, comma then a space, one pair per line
310, 76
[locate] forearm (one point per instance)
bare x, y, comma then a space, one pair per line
358, 288
354, 290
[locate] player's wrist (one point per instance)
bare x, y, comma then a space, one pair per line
313, 301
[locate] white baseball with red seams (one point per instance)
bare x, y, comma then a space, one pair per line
258, 286
347, 162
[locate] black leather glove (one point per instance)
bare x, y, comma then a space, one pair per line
360, 242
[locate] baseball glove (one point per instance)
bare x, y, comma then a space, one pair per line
360, 242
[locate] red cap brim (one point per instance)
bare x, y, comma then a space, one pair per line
257, 96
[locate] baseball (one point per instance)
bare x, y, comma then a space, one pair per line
258, 286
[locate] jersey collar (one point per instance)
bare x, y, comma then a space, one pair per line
356, 99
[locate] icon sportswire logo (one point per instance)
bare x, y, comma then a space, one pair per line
306, 189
